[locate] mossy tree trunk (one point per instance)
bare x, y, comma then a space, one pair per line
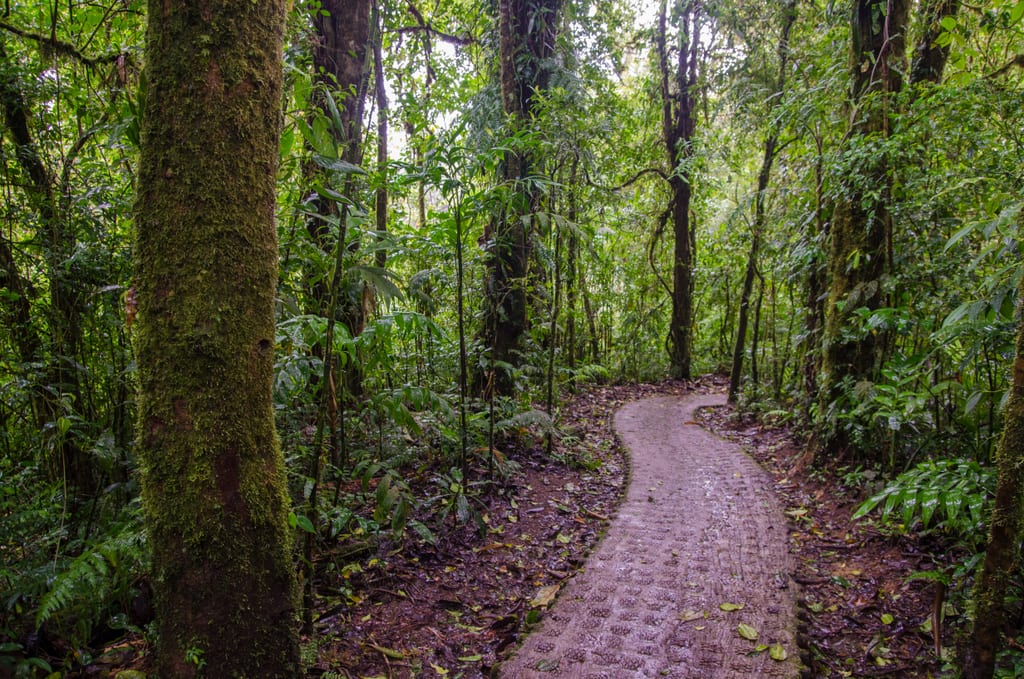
213, 476
679, 70
527, 31
861, 230
1001, 556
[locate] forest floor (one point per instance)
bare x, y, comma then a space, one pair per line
459, 607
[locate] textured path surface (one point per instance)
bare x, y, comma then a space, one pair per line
699, 528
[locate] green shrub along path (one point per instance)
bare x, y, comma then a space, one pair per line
692, 578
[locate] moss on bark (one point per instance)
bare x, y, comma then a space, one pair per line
859, 256
1002, 554
206, 255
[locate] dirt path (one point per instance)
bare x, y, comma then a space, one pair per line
699, 528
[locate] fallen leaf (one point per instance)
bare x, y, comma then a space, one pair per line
691, 615
778, 653
389, 652
545, 595
731, 607
747, 632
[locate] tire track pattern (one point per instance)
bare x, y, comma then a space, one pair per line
699, 527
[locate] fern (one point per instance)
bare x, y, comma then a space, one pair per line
94, 583
949, 494
533, 420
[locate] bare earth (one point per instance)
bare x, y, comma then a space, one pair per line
699, 528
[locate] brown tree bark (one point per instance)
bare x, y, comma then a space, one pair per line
1001, 562
930, 58
527, 30
213, 479
859, 256
341, 64
678, 100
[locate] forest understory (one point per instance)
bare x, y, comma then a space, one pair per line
458, 607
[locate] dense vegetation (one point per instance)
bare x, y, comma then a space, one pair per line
481, 206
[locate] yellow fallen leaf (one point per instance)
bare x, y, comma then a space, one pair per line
545, 595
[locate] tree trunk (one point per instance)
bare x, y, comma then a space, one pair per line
814, 320
383, 114
341, 66
770, 146
527, 30
213, 476
929, 57
1000, 564
678, 100
57, 240
859, 257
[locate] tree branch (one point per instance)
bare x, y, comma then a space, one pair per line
1017, 61
60, 47
632, 180
423, 26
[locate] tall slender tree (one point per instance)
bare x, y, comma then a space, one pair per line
679, 72
771, 145
206, 255
61, 350
527, 32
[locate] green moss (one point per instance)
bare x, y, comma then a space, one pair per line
213, 475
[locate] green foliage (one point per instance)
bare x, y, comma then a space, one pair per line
95, 585
946, 495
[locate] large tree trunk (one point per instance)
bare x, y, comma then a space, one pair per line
1001, 564
859, 257
527, 30
212, 471
678, 100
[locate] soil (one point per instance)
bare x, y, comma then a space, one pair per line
869, 608
692, 579
460, 607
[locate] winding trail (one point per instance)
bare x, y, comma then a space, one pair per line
699, 527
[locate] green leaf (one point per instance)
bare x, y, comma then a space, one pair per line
1017, 12
380, 278
777, 652
727, 607
747, 632
302, 522
342, 166
887, 618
